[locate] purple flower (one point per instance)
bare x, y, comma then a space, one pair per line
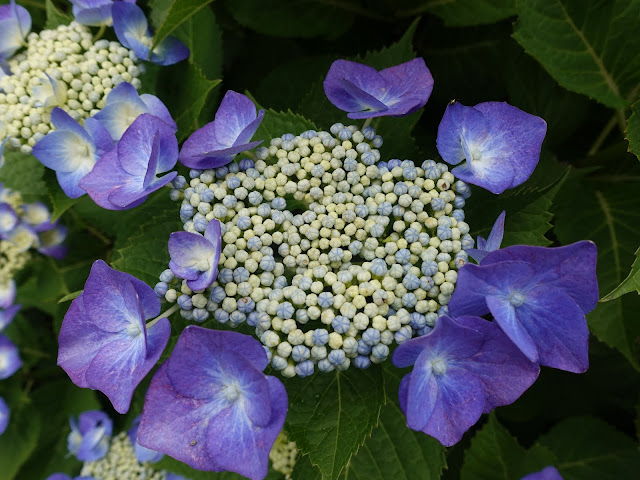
6, 316
94, 12
7, 294
365, 93
132, 30
500, 143
90, 435
547, 473
51, 242
23, 237
8, 219
143, 454
195, 257
104, 343
211, 407
492, 243
463, 368
124, 177
10, 360
64, 476
215, 144
71, 150
15, 24
539, 296
37, 216
123, 105
5, 413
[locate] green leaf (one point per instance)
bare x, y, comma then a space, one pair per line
179, 12
19, 441
495, 455
174, 466
55, 17
275, 124
582, 44
607, 211
589, 449
629, 284
142, 251
331, 415
69, 297
632, 133
282, 18
60, 201
202, 35
463, 13
23, 173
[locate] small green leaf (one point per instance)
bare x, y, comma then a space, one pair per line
331, 415
70, 296
275, 124
55, 17
629, 284
282, 18
24, 174
463, 13
582, 43
179, 12
632, 133
589, 449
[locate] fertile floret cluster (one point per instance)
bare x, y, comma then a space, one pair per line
283, 455
330, 253
65, 68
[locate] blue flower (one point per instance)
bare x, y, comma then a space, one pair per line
539, 296
123, 178
64, 476
7, 314
94, 12
143, 454
8, 219
90, 435
15, 25
547, 473
463, 368
195, 257
365, 93
104, 343
490, 244
5, 413
211, 407
218, 142
132, 30
123, 105
50, 242
500, 143
10, 360
7, 294
72, 151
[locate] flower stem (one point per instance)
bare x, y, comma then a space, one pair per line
162, 315
98, 35
249, 154
367, 122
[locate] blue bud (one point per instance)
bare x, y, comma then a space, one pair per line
200, 314
186, 212
200, 223
221, 172
245, 164
363, 348
336, 254
240, 275
195, 173
278, 363
302, 316
206, 195
362, 362
411, 282
304, 369
305, 283
285, 310
411, 235
309, 134
221, 315
458, 215
393, 163
385, 208
369, 132
329, 142
280, 282
179, 181
264, 210
233, 182
267, 263
380, 351
362, 148
371, 336
161, 288
355, 247
217, 295
444, 232
418, 321
402, 335
174, 194
424, 331
429, 268
398, 210
344, 134
186, 314
254, 244
350, 164
267, 350
336, 357
377, 230
184, 301
320, 337
462, 188
325, 366
376, 142
443, 257
368, 158
444, 310
300, 353
236, 318
252, 319
225, 276
166, 275
287, 137
246, 305
340, 324
409, 300
403, 256
279, 203
467, 241
263, 321
424, 238
400, 188
379, 267
325, 300
458, 202
426, 283
438, 204
410, 173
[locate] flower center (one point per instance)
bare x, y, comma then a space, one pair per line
438, 366
232, 392
516, 299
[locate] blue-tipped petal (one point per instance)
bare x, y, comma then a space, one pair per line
129, 22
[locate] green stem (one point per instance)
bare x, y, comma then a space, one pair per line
367, 122
98, 35
249, 154
162, 315
603, 135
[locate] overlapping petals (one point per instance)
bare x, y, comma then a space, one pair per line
490, 244
463, 368
539, 297
72, 151
365, 93
94, 12
218, 142
123, 178
143, 454
500, 143
123, 105
90, 435
132, 30
10, 360
195, 257
104, 343
15, 25
50, 93
211, 407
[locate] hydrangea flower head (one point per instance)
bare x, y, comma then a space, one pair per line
539, 296
94, 13
123, 105
10, 360
211, 407
124, 177
500, 143
90, 435
15, 24
5, 414
365, 93
132, 30
104, 343
463, 368
195, 257
71, 150
7, 314
490, 244
547, 473
218, 142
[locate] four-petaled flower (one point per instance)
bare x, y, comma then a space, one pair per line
490, 244
365, 93
500, 143
463, 368
211, 407
15, 25
94, 12
104, 343
90, 435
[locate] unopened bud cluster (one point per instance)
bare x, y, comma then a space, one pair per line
61, 67
283, 455
331, 254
